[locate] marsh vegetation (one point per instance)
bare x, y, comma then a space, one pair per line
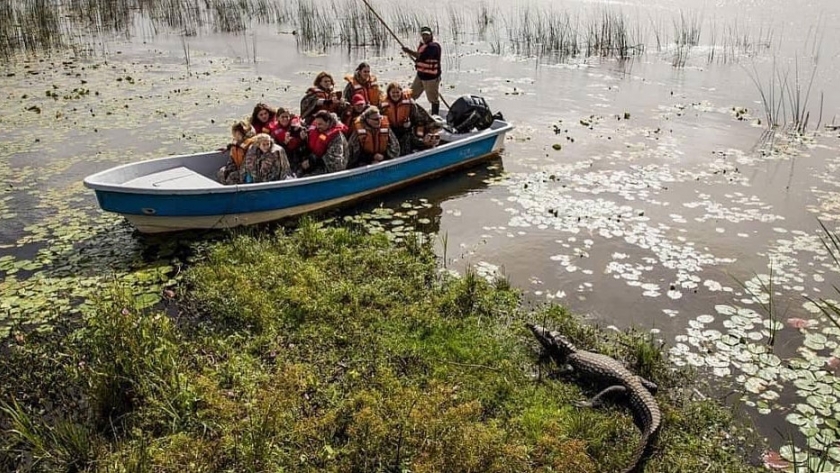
331, 350
553, 34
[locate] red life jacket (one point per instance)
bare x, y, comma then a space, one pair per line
268, 127
264, 128
320, 141
373, 144
427, 66
370, 91
398, 112
279, 134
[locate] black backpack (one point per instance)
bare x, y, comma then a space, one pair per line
469, 112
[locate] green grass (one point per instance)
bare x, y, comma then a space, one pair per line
331, 350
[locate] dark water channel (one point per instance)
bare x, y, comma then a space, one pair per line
668, 207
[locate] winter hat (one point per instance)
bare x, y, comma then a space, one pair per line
358, 99
425, 29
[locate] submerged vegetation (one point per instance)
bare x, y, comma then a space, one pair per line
330, 350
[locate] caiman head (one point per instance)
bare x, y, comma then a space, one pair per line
558, 346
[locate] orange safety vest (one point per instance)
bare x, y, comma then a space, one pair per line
371, 92
398, 112
426, 66
238, 151
323, 94
373, 144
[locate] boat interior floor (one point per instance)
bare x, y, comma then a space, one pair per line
175, 178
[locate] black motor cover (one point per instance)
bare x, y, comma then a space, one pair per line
468, 112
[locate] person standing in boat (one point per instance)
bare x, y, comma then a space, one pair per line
372, 140
263, 118
265, 161
427, 64
363, 82
327, 145
290, 134
408, 121
321, 97
242, 137
357, 106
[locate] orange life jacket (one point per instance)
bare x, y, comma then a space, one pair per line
398, 112
426, 66
319, 141
323, 94
238, 151
373, 144
371, 91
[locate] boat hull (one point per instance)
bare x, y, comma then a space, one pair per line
171, 202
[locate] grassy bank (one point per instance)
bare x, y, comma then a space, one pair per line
330, 350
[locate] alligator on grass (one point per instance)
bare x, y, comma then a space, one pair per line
608, 372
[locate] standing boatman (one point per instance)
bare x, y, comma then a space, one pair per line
427, 65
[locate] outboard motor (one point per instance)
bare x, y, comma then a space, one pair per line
470, 112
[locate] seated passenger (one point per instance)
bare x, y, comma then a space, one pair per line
265, 161
408, 120
263, 118
321, 97
327, 145
291, 136
358, 105
242, 137
372, 140
430, 139
363, 82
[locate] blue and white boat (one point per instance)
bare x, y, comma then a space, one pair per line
180, 192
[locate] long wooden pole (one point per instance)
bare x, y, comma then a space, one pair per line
383, 23
397, 39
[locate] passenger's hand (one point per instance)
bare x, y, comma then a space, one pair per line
287, 139
305, 164
378, 157
407, 124
406, 49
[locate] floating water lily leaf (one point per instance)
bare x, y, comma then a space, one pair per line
796, 419
769, 359
815, 341
755, 385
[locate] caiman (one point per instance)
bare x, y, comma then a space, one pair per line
609, 372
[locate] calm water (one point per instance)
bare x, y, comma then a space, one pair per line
664, 201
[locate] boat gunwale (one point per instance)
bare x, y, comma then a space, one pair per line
91, 181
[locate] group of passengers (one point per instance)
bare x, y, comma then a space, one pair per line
335, 131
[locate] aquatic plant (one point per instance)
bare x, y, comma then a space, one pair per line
785, 98
550, 33
828, 307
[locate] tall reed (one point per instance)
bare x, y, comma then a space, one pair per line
785, 95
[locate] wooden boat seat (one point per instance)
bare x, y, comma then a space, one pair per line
176, 178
